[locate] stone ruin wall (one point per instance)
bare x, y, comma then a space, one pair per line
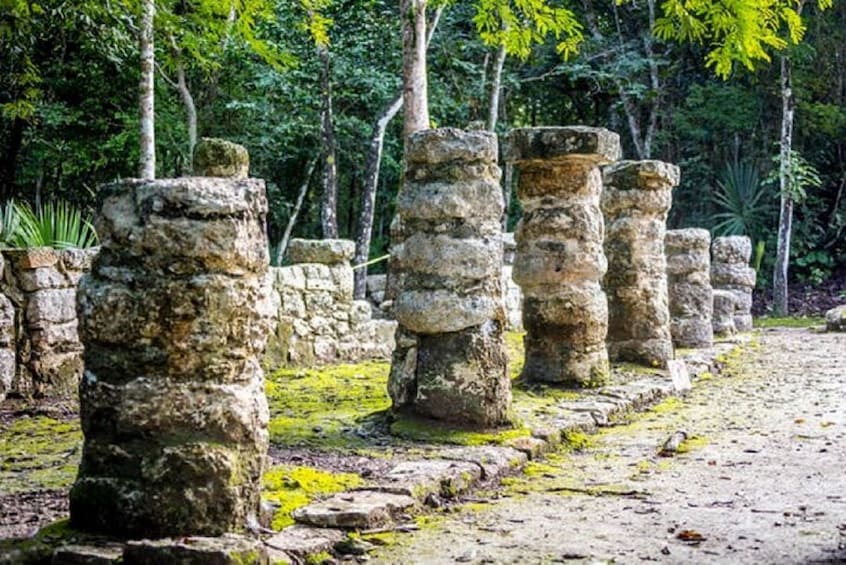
319, 321
40, 350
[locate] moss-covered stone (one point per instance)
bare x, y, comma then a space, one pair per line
220, 158
290, 487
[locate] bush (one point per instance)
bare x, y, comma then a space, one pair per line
56, 224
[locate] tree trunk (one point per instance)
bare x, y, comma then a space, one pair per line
368, 194
496, 85
286, 237
364, 230
415, 91
785, 218
187, 98
147, 165
329, 194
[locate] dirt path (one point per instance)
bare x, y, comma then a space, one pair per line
764, 480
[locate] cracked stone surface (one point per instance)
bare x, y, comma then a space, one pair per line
762, 481
359, 509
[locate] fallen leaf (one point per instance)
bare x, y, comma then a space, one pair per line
690, 536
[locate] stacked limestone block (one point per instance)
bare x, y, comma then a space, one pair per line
41, 285
730, 271
560, 261
835, 319
450, 362
7, 340
689, 285
319, 321
174, 317
723, 317
511, 293
635, 201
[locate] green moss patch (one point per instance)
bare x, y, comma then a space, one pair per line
38, 453
323, 407
291, 487
789, 322
514, 347
430, 431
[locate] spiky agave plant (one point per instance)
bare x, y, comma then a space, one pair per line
739, 198
10, 221
55, 224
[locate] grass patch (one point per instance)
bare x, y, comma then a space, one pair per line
39, 453
514, 347
789, 322
292, 487
323, 407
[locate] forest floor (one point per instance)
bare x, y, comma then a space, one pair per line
760, 478
805, 300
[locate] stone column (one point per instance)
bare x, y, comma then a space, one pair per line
635, 201
174, 317
689, 285
450, 361
730, 271
511, 293
8, 358
560, 261
723, 317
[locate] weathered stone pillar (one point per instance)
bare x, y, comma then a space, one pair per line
723, 317
730, 271
450, 360
8, 362
635, 201
174, 317
511, 293
689, 285
560, 261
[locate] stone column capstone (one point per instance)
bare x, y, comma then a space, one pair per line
450, 361
689, 285
174, 318
559, 261
730, 271
636, 198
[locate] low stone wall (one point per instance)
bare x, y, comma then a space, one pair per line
40, 351
318, 320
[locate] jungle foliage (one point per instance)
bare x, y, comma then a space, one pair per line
69, 86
